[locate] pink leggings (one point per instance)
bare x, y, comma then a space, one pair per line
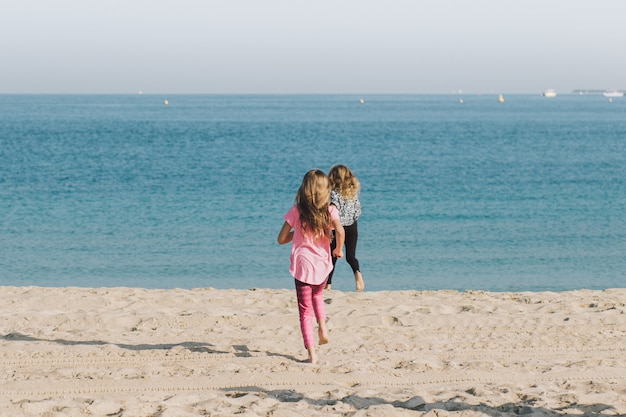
310, 303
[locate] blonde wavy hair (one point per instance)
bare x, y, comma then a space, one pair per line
344, 181
312, 200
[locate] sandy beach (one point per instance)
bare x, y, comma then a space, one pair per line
206, 352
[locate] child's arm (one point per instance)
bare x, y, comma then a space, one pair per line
340, 236
285, 235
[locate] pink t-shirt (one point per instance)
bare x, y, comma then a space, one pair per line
310, 260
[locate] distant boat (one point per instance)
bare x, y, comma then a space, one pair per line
500, 99
549, 93
613, 93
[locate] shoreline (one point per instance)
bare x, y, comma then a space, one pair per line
132, 351
335, 289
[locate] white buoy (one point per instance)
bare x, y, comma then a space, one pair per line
165, 102
461, 100
361, 101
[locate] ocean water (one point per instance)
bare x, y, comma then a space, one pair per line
122, 190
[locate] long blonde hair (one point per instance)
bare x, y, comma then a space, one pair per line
344, 181
312, 200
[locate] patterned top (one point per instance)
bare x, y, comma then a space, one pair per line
349, 210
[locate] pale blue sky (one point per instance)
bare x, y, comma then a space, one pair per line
293, 46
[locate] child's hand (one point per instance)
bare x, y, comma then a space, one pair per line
338, 253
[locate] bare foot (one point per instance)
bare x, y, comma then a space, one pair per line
327, 287
323, 338
358, 280
312, 355
322, 333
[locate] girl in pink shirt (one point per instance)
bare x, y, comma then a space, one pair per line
308, 226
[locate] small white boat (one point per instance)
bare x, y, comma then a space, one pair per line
613, 93
549, 93
500, 99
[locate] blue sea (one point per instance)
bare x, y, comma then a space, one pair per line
124, 190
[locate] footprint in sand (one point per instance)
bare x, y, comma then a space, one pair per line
391, 321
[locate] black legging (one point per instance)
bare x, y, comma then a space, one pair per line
352, 235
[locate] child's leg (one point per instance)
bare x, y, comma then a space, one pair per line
312, 355
306, 311
352, 236
319, 308
358, 281
329, 280
351, 239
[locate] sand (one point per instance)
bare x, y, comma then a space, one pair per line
207, 352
